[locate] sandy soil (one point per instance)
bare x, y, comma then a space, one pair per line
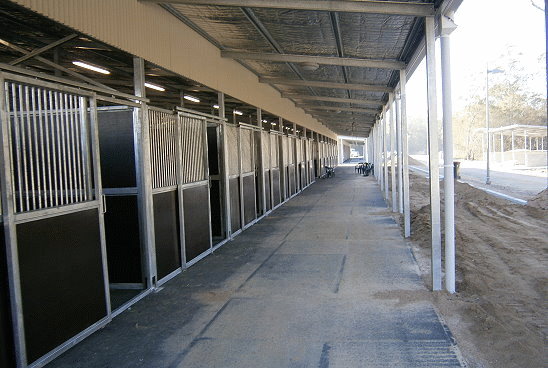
498, 315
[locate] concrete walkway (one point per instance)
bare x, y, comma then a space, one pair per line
325, 281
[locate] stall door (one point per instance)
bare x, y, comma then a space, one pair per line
275, 169
267, 170
232, 136
247, 146
52, 191
194, 187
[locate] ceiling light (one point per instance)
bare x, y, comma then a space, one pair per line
191, 98
153, 86
215, 106
238, 112
310, 67
264, 121
273, 124
91, 67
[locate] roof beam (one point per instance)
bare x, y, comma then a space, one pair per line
337, 108
346, 6
331, 99
326, 60
320, 84
41, 50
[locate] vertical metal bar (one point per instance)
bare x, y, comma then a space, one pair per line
43, 148
30, 157
52, 108
84, 139
69, 145
142, 149
433, 153
35, 157
448, 180
241, 186
17, 207
24, 150
8, 211
77, 133
262, 145
59, 156
405, 152
72, 150
64, 153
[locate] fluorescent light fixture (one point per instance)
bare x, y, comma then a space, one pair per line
153, 86
238, 112
273, 124
215, 106
90, 67
264, 121
191, 98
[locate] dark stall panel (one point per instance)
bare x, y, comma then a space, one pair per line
212, 151
62, 283
116, 147
249, 199
267, 190
216, 209
291, 178
6, 334
123, 240
196, 221
166, 230
234, 189
276, 195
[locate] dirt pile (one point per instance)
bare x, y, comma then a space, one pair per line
498, 315
540, 200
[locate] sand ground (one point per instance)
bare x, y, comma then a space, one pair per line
498, 315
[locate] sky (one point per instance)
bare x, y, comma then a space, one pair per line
486, 29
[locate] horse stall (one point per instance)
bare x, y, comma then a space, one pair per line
301, 159
53, 217
233, 150
310, 160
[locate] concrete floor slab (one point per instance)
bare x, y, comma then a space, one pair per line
326, 280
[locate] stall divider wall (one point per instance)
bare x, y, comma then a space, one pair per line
248, 196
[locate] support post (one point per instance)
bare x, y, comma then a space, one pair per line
399, 154
225, 171
385, 151
144, 175
260, 175
393, 188
405, 153
433, 153
448, 171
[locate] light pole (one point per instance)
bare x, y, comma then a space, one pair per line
492, 71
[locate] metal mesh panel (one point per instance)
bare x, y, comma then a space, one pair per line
265, 150
233, 151
247, 150
285, 149
274, 150
192, 149
291, 153
163, 148
49, 141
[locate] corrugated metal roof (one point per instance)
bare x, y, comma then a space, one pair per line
314, 33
